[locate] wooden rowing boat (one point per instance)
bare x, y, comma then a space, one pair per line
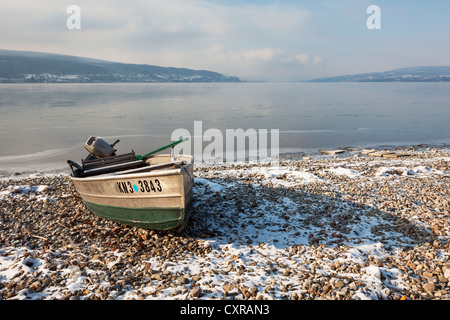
154, 195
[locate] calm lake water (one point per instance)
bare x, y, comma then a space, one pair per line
43, 125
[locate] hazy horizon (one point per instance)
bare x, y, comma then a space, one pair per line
266, 40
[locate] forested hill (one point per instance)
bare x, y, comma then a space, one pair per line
36, 67
411, 74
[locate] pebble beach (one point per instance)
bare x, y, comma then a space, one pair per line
358, 225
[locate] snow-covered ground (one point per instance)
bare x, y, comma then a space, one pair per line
328, 228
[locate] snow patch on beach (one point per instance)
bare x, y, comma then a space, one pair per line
419, 171
345, 172
257, 231
37, 193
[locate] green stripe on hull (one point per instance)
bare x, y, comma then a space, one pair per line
147, 218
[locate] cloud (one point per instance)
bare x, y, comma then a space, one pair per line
269, 55
255, 56
252, 39
317, 60
302, 58
240, 39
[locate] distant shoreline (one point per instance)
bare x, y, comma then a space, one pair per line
410, 74
38, 67
313, 153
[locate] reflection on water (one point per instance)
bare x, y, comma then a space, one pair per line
43, 125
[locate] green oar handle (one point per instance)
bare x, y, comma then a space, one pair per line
143, 157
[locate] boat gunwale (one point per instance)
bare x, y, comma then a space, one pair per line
93, 195
158, 173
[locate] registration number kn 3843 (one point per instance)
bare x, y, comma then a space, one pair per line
140, 186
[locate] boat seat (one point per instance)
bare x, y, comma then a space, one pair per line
94, 166
113, 168
173, 164
94, 163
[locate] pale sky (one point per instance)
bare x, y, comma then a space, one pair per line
281, 40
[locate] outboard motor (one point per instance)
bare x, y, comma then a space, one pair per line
99, 147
